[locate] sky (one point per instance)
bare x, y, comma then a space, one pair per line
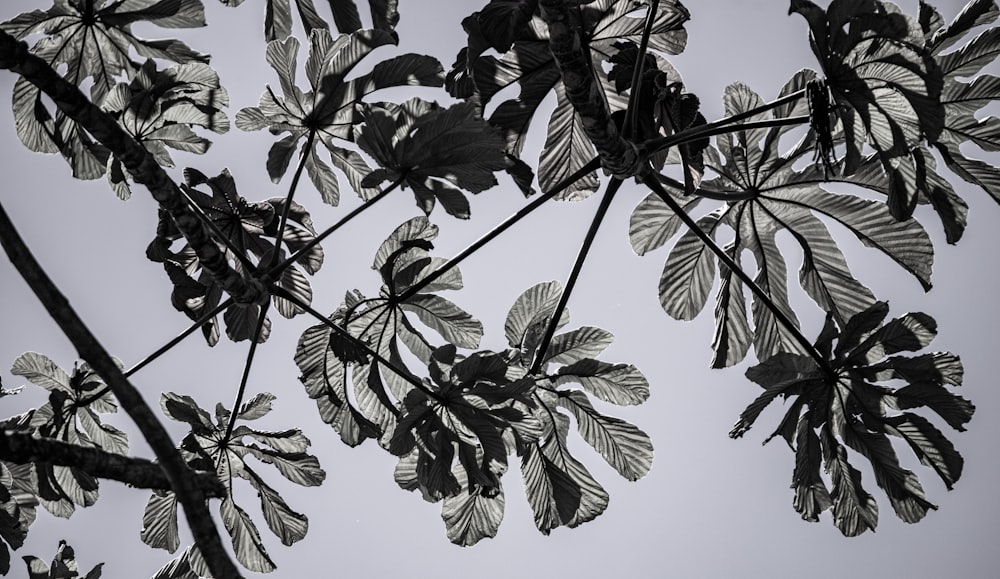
710, 507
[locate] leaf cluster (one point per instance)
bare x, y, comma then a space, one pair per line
852, 403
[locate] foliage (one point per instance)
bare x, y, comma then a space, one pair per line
853, 143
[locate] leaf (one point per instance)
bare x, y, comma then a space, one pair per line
64, 565
330, 110
158, 109
250, 551
224, 447
854, 395
434, 151
470, 517
626, 448
688, 273
621, 384
159, 522
880, 78
72, 414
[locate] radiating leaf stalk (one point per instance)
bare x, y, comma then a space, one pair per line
303, 155
651, 182
722, 126
246, 371
405, 375
593, 165
714, 195
219, 235
588, 241
164, 348
633, 96
275, 272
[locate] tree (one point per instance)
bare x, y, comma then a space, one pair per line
886, 95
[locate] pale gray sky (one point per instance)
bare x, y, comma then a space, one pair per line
710, 507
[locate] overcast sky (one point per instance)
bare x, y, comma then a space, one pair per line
710, 507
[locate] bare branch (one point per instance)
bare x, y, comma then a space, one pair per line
23, 447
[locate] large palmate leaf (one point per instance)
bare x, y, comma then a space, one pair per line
437, 152
216, 445
71, 415
560, 489
250, 230
330, 109
962, 100
64, 565
885, 86
158, 108
527, 63
770, 197
854, 402
92, 39
454, 436
330, 362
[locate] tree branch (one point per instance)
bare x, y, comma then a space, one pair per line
90, 349
15, 56
583, 91
23, 447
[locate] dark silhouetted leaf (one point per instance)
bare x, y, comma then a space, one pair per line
250, 228
331, 108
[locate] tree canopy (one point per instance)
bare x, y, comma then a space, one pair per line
556, 102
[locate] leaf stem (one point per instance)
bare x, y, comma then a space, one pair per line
654, 184
196, 512
306, 151
162, 349
707, 194
246, 370
593, 165
277, 269
177, 339
581, 257
722, 126
633, 96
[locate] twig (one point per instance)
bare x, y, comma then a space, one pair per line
23, 447
581, 257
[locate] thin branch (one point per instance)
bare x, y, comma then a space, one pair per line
714, 195
640, 63
15, 56
714, 128
306, 150
705, 131
729, 262
246, 371
23, 448
496, 231
90, 349
581, 258
179, 337
583, 91
272, 273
